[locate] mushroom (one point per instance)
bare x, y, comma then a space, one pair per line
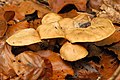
24, 37
72, 52
51, 30
100, 29
82, 20
66, 23
51, 17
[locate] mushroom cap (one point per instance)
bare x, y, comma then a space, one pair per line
72, 52
100, 29
81, 19
66, 23
24, 37
51, 17
52, 30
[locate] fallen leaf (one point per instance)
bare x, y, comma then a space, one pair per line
3, 28
57, 5
14, 8
106, 66
60, 68
70, 14
29, 65
9, 15
16, 27
6, 59
84, 71
29, 7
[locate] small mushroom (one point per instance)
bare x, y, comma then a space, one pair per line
51, 17
100, 29
72, 52
49, 31
24, 37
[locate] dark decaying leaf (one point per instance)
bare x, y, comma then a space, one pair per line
14, 8
60, 68
116, 49
107, 65
9, 15
85, 71
3, 27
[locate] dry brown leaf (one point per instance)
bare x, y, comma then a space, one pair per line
6, 59
115, 37
29, 7
57, 5
3, 28
14, 8
16, 27
29, 65
108, 65
60, 68
70, 14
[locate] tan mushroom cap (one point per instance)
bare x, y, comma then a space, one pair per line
100, 29
24, 37
81, 19
49, 31
72, 52
51, 17
66, 23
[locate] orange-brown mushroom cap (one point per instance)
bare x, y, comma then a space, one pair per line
72, 52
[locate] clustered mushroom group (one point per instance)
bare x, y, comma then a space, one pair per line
81, 28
